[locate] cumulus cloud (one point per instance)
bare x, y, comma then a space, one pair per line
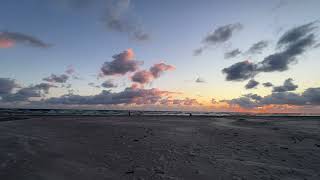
232, 54
118, 19
158, 69
244, 102
258, 47
108, 84
53, 78
310, 96
146, 76
25, 93
240, 71
7, 85
9, 39
251, 84
142, 77
200, 80
128, 96
121, 64
267, 84
287, 86
292, 43
219, 35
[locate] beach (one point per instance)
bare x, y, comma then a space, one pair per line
159, 147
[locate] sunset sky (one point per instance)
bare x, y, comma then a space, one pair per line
207, 55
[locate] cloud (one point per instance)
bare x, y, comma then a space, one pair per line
200, 80
108, 84
244, 102
128, 96
287, 86
155, 71
267, 84
121, 64
25, 93
258, 47
53, 78
232, 54
118, 19
158, 69
142, 77
9, 39
213, 101
93, 85
222, 34
70, 70
253, 96
240, 71
251, 84
291, 44
219, 35
7, 85
179, 102
310, 96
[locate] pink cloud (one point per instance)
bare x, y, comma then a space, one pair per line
6, 43
146, 76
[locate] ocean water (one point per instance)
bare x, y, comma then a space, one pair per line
67, 112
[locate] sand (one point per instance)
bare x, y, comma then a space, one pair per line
159, 147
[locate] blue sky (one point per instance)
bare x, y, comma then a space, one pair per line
77, 35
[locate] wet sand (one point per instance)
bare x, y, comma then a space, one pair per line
159, 147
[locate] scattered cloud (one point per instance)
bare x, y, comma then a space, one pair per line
219, 35
108, 84
267, 84
9, 39
287, 86
253, 96
146, 76
158, 69
258, 47
251, 84
128, 96
70, 70
180, 102
25, 93
200, 80
240, 71
121, 64
7, 85
142, 77
310, 96
118, 19
53, 78
91, 84
292, 43
232, 54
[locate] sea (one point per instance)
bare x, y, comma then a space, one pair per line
81, 112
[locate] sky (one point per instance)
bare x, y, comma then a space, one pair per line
207, 55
